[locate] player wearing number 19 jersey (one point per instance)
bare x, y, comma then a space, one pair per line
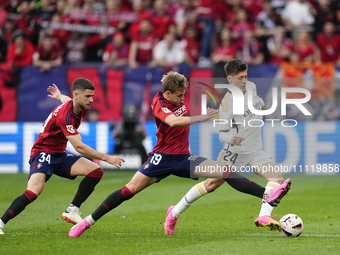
48, 155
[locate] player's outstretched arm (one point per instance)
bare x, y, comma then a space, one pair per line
184, 121
87, 151
56, 94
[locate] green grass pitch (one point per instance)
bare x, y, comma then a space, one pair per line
219, 223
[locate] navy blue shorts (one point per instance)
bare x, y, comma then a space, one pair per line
59, 164
161, 165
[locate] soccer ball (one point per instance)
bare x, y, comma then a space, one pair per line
291, 225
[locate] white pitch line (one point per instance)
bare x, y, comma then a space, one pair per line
202, 234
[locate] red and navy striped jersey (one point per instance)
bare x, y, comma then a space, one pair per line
60, 123
170, 140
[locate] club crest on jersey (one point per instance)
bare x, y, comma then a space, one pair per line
166, 110
39, 165
146, 166
70, 129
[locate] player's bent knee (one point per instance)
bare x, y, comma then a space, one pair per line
96, 173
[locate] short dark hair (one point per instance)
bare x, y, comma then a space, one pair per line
82, 84
235, 66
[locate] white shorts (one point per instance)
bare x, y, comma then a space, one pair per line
239, 162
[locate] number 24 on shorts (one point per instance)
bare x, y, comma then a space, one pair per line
229, 156
156, 158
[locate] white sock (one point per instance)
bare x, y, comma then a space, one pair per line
73, 208
2, 224
194, 193
266, 209
90, 220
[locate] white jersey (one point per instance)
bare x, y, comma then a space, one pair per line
241, 126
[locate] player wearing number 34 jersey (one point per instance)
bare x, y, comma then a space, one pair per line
48, 154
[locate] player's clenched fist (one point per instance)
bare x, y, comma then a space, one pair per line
237, 140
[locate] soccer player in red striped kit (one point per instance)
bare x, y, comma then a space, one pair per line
48, 154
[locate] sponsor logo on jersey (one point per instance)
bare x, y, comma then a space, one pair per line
166, 110
70, 129
180, 111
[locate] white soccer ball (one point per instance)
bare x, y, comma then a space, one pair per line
291, 225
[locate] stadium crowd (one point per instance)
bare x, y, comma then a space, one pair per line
206, 33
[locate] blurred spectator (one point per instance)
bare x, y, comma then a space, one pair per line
12, 7
3, 47
190, 45
59, 35
324, 13
3, 15
114, 8
226, 12
297, 14
86, 8
48, 55
249, 49
142, 45
266, 21
241, 24
173, 5
60, 7
46, 10
96, 44
28, 22
329, 44
305, 50
99, 6
117, 52
147, 5
141, 14
253, 8
224, 51
185, 15
20, 51
206, 14
72, 6
279, 46
8, 29
278, 5
169, 52
75, 48
162, 22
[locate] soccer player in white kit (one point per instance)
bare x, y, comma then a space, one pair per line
242, 148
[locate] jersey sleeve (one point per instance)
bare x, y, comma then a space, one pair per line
161, 111
226, 116
253, 87
66, 125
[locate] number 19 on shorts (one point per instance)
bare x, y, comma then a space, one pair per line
156, 158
